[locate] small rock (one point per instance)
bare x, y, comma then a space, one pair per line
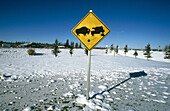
102, 87
29, 80
14, 77
42, 100
6, 110
131, 93
117, 98
98, 107
69, 94
106, 93
98, 101
109, 99
100, 96
29, 108
11, 103
18, 97
106, 105
5, 91
51, 108
35, 104
114, 92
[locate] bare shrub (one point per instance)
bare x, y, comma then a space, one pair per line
31, 52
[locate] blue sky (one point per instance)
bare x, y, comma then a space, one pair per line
137, 22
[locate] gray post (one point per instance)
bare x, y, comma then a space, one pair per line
88, 72
88, 75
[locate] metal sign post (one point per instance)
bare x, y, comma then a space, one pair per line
90, 31
88, 75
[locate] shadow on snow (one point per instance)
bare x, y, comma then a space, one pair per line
39, 54
132, 75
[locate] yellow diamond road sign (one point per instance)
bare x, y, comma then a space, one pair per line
90, 30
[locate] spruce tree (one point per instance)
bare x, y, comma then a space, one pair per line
76, 46
135, 53
80, 45
147, 51
71, 48
1, 42
111, 48
56, 49
67, 44
73, 45
86, 51
117, 49
126, 49
106, 50
167, 52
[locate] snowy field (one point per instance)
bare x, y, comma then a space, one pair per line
46, 82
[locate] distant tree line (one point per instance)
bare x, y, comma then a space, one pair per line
40, 45
36, 45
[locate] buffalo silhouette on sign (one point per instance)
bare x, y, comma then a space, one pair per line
97, 30
82, 30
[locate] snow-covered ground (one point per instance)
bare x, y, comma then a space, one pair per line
46, 82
